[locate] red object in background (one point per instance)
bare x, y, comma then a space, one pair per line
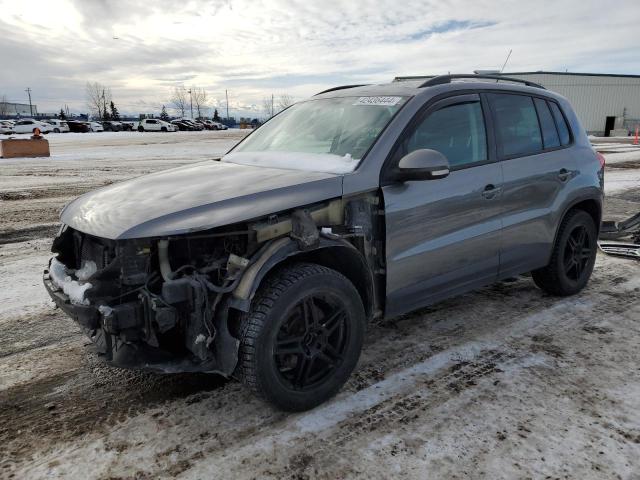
601, 158
635, 140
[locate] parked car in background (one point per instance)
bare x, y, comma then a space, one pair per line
219, 126
183, 126
29, 125
78, 126
155, 125
59, 126
6, 127
112, 126
129, 126
96, 127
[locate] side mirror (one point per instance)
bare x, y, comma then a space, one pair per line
422, 164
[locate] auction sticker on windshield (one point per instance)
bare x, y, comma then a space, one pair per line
386, 101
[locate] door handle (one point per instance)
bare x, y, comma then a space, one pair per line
564, 174
490, 191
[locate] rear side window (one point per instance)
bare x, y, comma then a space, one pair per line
561, 123
457, 131
517, 129
550, 137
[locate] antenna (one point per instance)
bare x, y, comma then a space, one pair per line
505, 62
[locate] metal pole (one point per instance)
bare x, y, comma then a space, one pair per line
191, 99
272, 104
28, 90
227, 95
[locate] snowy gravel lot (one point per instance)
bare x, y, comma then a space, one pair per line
505, 382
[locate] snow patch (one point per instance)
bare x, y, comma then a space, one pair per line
87, 269
72, 288
315, 162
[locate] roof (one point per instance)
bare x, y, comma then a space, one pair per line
540, 72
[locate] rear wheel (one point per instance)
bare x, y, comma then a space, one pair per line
163, 129
573, 257
302, 337
56, 130
141, 128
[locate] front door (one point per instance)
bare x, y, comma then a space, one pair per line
443, 236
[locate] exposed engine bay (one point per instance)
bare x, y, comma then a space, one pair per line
165, 303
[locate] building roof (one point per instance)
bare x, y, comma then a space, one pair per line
540, 72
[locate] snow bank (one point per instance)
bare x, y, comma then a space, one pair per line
73, 289
315, 162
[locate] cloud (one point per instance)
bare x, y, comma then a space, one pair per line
254, 49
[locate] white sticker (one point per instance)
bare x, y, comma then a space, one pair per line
386, 101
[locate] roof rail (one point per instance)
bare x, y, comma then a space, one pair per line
342, 87
442, 79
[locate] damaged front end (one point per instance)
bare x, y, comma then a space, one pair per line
171, 304
158, 304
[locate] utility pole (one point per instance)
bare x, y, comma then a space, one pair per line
272, 104
227, 95
28, 90
191, 100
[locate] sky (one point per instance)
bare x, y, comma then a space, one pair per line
255, 49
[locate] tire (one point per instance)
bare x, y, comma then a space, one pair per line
163, 129
141, 128
573, 256
296, 364
56, 130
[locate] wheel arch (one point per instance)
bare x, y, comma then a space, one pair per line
336, 254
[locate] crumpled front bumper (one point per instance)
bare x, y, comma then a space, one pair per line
87, 316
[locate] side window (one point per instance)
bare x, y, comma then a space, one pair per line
457, 131
517, 129
561, 123
550, 137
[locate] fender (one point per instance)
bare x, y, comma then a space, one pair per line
280, 250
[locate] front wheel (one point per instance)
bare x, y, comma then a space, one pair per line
141, 128
302, 337
56, 130
573, 256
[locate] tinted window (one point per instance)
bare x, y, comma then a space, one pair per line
457, 131
561, 123
516, 122
549, 133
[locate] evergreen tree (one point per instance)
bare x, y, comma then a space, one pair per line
216, 117
105, 116
164, 115
61, 115
115, 115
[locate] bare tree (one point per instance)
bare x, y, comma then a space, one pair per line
4, 106
180, 99
98, 97
285, 101
200, 99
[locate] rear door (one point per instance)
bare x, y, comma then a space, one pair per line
531, 145
443, 236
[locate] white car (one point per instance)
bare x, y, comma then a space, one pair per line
6, 127
59, 126
155, 125
96, 127
29, 125
219, 126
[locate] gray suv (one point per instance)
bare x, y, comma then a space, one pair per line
362, 202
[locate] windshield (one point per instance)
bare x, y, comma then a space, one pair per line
329, 135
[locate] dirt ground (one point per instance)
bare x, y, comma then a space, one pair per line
505, 382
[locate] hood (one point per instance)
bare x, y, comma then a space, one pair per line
195, 197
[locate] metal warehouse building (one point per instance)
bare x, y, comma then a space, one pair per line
604, 102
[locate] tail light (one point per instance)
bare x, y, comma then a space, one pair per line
601, 159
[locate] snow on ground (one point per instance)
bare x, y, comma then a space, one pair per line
505, 382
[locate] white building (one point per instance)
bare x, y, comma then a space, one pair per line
10, 109
603, 102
